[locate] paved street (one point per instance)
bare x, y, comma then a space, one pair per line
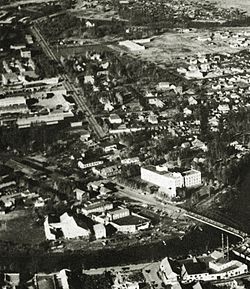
78, 93
131, 267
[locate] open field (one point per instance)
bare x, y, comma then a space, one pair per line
18, 226
241, 4
170, 48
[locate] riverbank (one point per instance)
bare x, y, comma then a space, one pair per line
198, 241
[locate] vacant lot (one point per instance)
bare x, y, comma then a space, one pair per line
171, 48
241, 4
19, 227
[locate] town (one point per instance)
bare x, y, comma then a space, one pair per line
124, 144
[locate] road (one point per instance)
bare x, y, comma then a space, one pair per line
25, 2
78, 93
115, 269
173, 211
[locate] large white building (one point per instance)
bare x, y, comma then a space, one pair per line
167, 181
192, 178
168, 273
64, 226
217, 270
13, 105
170, 181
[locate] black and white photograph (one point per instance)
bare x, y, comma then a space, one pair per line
124, 144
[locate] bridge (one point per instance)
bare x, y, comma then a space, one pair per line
230, 230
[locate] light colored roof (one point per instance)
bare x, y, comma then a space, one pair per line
165, 267
19, 100
99, 227
131, 45
70, 228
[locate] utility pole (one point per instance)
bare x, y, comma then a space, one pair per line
227, 248
222, 243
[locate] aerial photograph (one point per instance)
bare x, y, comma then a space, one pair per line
124, 144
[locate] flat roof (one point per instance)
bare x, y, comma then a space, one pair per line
15, 100
190, 172
130, 220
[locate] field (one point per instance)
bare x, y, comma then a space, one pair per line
241, 4
170, 48
19, 227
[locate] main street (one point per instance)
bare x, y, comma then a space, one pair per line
78, 93
174, 211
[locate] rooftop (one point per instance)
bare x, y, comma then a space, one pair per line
195, 268
130, 220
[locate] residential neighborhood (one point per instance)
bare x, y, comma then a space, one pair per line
124, 144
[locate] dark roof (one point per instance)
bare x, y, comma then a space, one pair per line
195, 268
130, 220
53, 219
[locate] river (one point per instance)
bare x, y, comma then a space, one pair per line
199, 240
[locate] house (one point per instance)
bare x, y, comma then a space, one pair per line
10, 78
10, 280
25, 53
108, 146
100, 231
51, 281
96, 207
89, 24
152, 118
198, 144
89, 79
39, 203
163, 86
134, 160
223, 108
187, 111
168, 271
192, 101
115, 119
64, 226
132, 46
80, 194
89, 164
106, 172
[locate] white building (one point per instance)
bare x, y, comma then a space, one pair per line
132, 46
217, 270
115, 119
25, 53
96, 207
118, 214
167, 181
13, 105
169, 276
100, 231
66, 225
192, 178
